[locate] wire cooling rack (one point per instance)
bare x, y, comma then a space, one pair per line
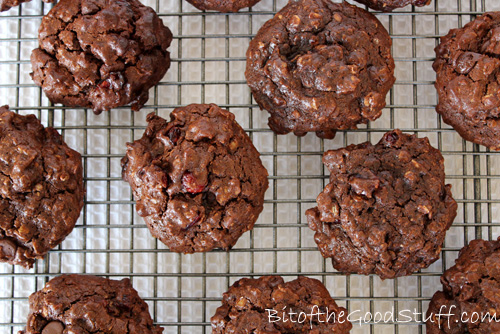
208, 65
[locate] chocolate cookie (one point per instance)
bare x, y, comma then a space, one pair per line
320, 66
41, 188
386, 209
8, 4
100, 54
84, 304
468, 80
390, 5
269, 305
469, 302
224, 6
198, 180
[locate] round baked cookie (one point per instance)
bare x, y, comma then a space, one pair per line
468, 80
390, 5
87, 304
8, 4
224, 6
254, 306
198, 180
320, 66
386, 209
41, 188
470, 292
100, 54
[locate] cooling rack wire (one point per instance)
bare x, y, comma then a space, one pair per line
208, 53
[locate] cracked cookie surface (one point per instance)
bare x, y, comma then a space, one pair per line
390, 5
470, 287
468, 80
247, 306
100, 54
320, 66
41, 188
386, 209
84, 304
198, 180
224, 6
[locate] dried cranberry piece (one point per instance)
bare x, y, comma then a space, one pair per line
191, 224
174, 134
115, 81
105, 84
164, 180
190, 183
391, 138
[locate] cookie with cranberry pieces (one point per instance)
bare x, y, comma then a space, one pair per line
269, 305
469, 302
41, 188
319, 66
467, 66
224, 6
198, 180
100, 54
390, 5
386, 208
86, 304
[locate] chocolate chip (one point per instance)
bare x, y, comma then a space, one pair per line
8, 248
466, 62
53, 327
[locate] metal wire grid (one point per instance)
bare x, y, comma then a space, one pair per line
208, 62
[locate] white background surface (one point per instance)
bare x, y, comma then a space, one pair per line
208, 65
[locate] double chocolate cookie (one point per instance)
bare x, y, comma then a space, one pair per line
469, 302
224, 6
269, 305
100, 54
390, 5
8, 4
41, 188
198, 180
468, 80
386, 209
320, 66
88, 304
